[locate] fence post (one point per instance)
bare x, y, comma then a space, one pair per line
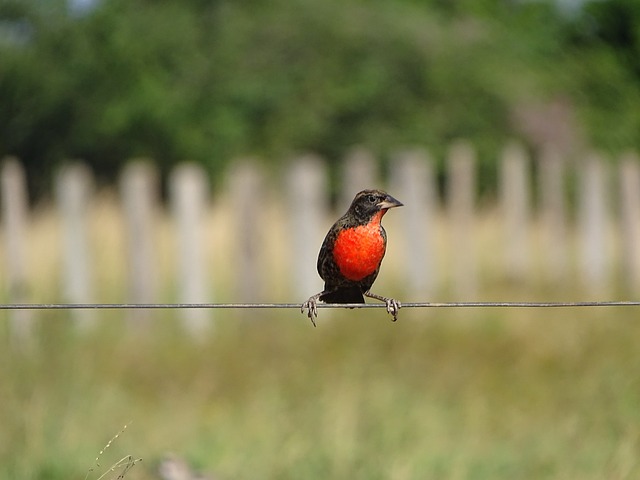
73, 184
515, 205
413, 179
188, 196
360, 172
139, 187
593, 226
553, 212
629, 178
247, 195
13, 188
461, 189
307, 202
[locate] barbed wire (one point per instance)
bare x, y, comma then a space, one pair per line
176, 306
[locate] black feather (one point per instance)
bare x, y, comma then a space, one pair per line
344, 295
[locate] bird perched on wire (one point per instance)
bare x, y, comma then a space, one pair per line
351, 254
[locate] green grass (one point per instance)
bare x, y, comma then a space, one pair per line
441, 394
468, 394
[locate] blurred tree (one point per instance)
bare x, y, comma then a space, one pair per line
210, 80
604, 44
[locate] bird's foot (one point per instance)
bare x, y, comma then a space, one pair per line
311, 306
393, 306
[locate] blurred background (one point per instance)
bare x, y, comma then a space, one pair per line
158, 152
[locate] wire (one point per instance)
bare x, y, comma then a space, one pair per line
174, 306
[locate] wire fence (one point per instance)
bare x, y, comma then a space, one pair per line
176, 306
21, 316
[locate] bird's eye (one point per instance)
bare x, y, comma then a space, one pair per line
371, 198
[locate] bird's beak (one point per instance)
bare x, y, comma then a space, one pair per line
389, 202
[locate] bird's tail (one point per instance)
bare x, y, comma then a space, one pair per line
343, 295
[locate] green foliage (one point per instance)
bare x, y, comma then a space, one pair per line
210, 81
606, 44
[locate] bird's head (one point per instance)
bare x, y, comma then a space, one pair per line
368, 203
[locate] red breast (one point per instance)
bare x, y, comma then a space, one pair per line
359, 250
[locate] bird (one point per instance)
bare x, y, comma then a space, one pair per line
352, 252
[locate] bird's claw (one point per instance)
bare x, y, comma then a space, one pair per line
393, 307
311, 306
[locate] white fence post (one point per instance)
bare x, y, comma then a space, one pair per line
13, 187
139, 188
73, 184
307, 204
553, 215
461, 191
188, 196
629, 179
247, 198
593, 225
515, 208
414, 184
360, 172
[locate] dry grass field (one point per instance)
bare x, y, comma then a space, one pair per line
441, 394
